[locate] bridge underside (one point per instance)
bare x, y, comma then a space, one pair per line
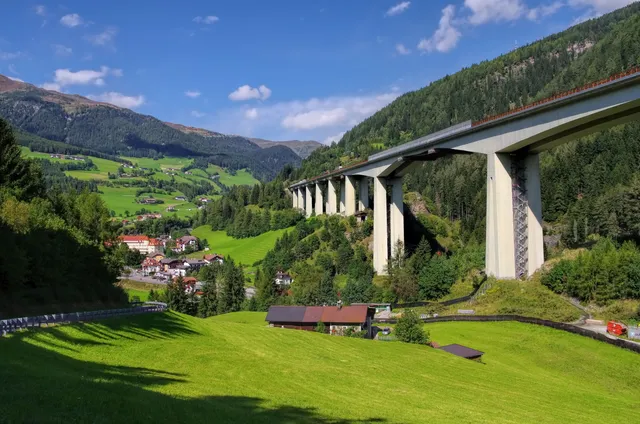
514, 242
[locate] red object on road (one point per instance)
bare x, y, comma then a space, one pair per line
616, 328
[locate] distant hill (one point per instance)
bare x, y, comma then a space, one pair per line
106, 128
301, 148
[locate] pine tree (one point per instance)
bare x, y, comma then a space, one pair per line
21, 177
208, 305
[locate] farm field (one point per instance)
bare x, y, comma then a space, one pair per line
242, 177
122, 200
245, 251
133, 369
164, 163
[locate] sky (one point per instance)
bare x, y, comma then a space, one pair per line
280, 69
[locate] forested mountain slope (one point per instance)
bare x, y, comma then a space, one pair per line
585, 181
109, 129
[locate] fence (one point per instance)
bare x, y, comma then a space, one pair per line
481, 289
14, 324
635, 347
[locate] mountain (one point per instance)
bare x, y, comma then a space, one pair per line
582, 181
106, 128
301, 148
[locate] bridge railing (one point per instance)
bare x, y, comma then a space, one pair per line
14, 324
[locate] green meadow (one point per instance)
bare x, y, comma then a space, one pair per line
123, 199
245, 251
168, 367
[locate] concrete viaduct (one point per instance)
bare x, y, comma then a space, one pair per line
512, 142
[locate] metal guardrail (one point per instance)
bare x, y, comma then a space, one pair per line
635, 347
14, 324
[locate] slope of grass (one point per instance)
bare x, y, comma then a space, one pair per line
233, 368
242, 177
245, 251
527, 298
164, 163
123, 199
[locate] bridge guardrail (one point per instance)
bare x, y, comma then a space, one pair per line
14, 324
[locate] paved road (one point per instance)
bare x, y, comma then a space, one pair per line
602, 329
137, 276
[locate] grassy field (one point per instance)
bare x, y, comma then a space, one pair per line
245, 251
122, 199
233, 368
242, 177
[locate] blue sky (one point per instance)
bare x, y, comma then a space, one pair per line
275, 69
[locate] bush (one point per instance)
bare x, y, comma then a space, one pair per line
409, 328
321, 328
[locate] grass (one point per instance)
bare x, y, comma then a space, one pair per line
173, 368
123, 199
164, 163
242, 177
245, 251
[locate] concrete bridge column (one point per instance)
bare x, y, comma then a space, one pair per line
380, 237
300, 194
363, 193
319, 200
534, 215
294, 198
342, 197
396, 212
500, 248
350, 195
309, 201
333, 197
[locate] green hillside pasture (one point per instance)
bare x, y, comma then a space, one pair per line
39, 155
234, 369
104, 165
242, 177
245, 251
164, 163
122, 199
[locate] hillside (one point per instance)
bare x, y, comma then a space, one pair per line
79, 121
301, 148
174, 368
577, 178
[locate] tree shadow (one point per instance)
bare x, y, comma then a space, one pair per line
43, 385
414, 231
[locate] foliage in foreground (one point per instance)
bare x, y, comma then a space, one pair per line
410, 329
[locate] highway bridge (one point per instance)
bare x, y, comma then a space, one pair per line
512, 142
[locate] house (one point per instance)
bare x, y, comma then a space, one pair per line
181, 198
379, 307
337, 319
195, 264
186, 241
169, 264
361, 216
148, 201
171, 209
462, 351
157, 256
142, 244
150, 265
204, 200
283, 279
215, 258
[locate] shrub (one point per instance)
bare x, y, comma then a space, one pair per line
409, 328
321, 328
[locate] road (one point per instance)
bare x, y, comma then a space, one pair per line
602, 329
136, 275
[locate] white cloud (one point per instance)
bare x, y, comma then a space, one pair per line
40, 10
251, 113
401, 49
446, 36
544, 10
12, 69
334, 138
105, 38
61, 50
398, 8
15, 79
484, 11
72, 20
316, 118
601, 6
246, 92
119, 99
65, 77
197, 114
192, 94
51, 86
311, 119
10, 55
207, 20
